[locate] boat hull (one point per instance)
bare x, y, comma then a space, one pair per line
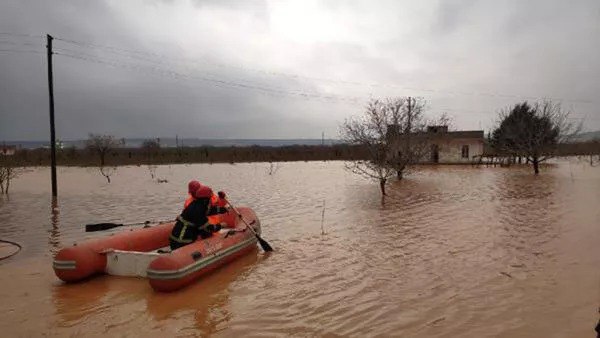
174, 271
183, 266
88, 258
166, 271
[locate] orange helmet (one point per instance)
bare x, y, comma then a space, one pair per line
203, 192
193, 186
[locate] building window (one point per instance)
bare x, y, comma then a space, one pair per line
465, 151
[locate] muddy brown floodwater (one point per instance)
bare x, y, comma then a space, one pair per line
454, 252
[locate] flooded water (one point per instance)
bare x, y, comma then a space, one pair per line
454, 252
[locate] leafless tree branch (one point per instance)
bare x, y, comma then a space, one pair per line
392, 131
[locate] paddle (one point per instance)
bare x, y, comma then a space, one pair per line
106, 226
264, 245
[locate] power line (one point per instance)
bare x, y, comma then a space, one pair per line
6, 42
83, 55
274, 92
20, 43
93, 45
334, 81
153, 58
214, 81
21, 35
21, 51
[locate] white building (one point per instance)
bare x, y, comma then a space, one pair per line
447, 147
453, 146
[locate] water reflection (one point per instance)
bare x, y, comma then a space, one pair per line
54, 231
529, 213
207, 299
73, 303
204, 303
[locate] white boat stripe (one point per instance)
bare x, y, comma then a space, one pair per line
198, 265
64, 265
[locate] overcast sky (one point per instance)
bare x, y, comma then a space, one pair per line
286, 69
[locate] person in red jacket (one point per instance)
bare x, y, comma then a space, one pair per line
193, 221
217, 200
193, 186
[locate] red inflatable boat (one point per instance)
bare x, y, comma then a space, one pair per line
136, 253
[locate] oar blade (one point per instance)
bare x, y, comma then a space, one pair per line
101, 226
263, 244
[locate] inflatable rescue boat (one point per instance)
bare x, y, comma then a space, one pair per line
144, 253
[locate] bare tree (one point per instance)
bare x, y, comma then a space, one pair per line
273, 168
589, 159
151, 148
8, 171
444, 120
102, 145
594, 150
2, 178
533, 131
389, 133
406, 135
107, 171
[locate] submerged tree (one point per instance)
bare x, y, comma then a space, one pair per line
389, 132
532, 131
9, 170
102, 145
406, 136
107, 171
151, 148
273, 168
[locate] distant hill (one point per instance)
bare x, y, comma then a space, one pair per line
589, 136
187, 142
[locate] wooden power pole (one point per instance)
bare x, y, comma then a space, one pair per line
52, 132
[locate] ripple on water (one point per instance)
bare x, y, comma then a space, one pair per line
453, 251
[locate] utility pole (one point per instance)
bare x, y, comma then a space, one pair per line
52, 132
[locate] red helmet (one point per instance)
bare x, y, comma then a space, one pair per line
193, 186
203, 192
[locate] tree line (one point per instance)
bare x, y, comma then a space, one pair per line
107, 152
389, 139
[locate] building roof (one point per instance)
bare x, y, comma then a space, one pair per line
460, 134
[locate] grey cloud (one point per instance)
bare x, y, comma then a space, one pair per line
451, 15
451, 53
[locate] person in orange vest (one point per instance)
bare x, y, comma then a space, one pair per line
219, 202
